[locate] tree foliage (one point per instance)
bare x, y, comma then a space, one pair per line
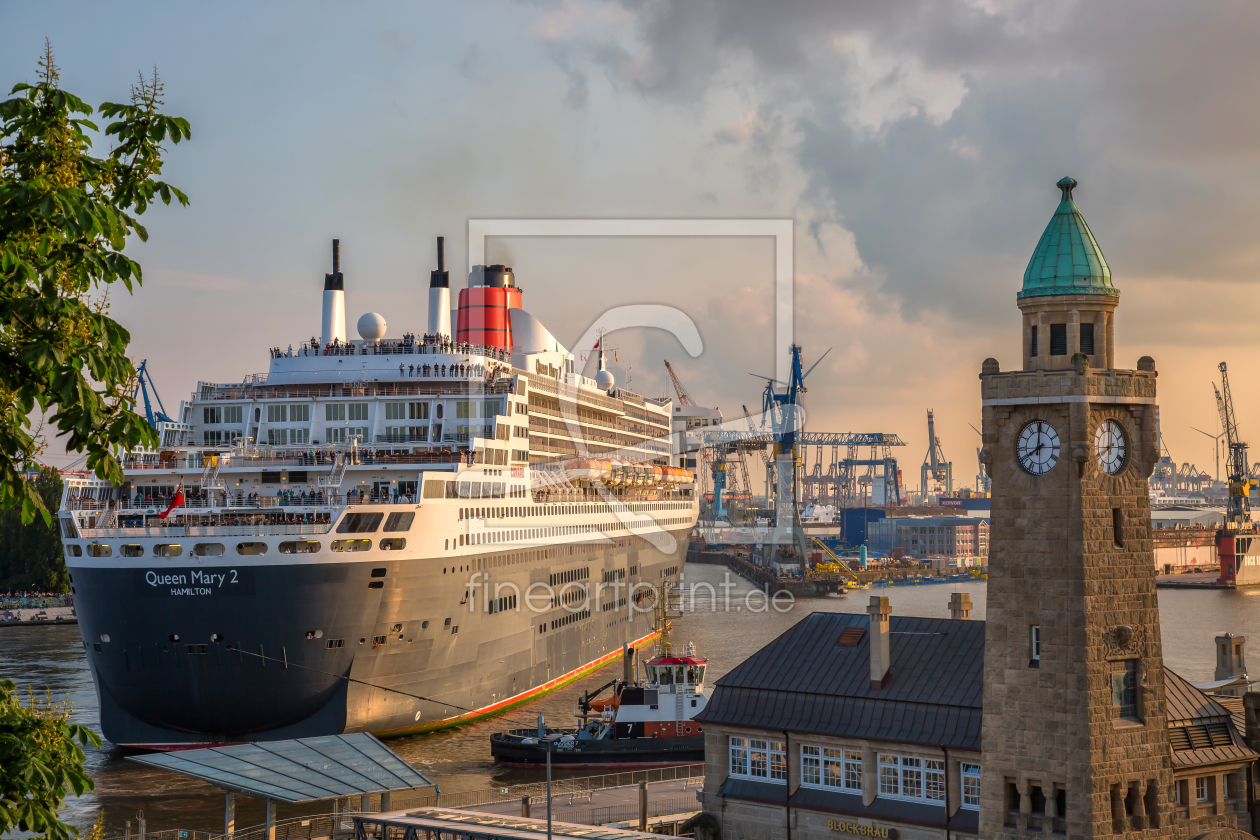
31, 557
65, 218
41, 763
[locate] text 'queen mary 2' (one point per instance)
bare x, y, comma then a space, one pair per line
384, 535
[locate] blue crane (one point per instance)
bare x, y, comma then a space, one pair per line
782, 408
144, 384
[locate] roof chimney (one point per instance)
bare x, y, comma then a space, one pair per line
1229, 656
960, 605
879, 611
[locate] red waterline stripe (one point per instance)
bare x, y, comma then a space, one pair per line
517, 699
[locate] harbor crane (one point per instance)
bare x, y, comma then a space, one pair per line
936, 471
1236, 544
1238, 513
983, 484
144, 384
713, 470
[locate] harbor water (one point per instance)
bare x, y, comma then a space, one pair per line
725, 618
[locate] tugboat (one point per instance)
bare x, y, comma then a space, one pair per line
644, 723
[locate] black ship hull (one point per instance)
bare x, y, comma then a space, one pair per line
191, 655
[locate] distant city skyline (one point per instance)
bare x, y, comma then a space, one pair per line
915, 145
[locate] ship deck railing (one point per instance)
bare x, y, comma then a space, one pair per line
366, 457
427, 386
175, 531
245, 507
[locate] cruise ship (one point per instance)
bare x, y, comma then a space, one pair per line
378, 534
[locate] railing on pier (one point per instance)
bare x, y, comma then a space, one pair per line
337, 822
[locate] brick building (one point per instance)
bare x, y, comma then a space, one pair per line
802, 742
962, 539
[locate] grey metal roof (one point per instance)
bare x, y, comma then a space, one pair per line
1187, 703
804, 681
301, 770
1192, 715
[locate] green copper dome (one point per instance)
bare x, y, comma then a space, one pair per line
1068, 260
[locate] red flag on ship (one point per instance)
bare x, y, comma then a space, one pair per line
175, 502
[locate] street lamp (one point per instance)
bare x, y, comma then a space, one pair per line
542, 736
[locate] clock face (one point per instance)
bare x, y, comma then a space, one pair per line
1038, 447
1110, 446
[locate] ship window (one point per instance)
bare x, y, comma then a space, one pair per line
298, 476
333, 644
399, 521
393, 544
208, 550
376, 584
271, 477
99, 551
352, 545
360, 523
378, 573
251, 548
299, 547
434, 489
74, 551
131, 551
168, 550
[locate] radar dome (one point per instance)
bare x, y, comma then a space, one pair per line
372, 326
604, 379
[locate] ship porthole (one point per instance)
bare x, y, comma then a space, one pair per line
687, 729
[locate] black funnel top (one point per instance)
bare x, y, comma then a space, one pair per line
440, 279
335, 281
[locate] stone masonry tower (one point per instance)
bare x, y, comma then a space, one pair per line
1074, 737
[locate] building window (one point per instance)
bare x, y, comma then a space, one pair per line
914, 779
1087, 339
1033, 336
934, 780
1201, 789
832, 769
911, 778
757, 759
811, 765
1034, 646
739, 757
1124, 689
971, 786
853, 771
889, 776
1058, 339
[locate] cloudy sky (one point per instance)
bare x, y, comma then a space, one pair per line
915, 145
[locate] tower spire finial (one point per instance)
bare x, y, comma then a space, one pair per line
1067, 184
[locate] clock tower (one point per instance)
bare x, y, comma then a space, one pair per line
1074, 736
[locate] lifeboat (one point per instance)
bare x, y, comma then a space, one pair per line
658, 475
583, 469
605, 471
